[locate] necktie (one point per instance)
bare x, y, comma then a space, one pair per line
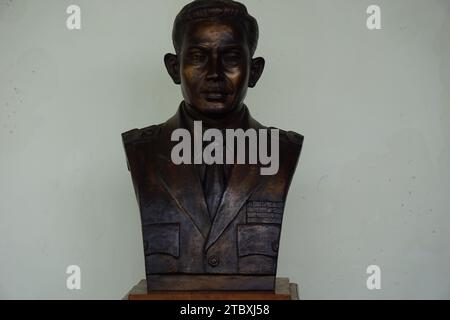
214, 187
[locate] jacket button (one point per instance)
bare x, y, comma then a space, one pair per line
213, 261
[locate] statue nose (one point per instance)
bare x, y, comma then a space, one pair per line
214, 70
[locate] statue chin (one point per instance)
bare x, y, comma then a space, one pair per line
214, 114
214, 110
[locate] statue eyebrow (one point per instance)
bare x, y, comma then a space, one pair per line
222, 48
197, 47
237, 46
232, 48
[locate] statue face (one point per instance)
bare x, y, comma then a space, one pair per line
214, 67
215, 63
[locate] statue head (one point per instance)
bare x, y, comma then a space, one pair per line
215, 41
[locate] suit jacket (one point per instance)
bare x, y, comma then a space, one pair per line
179, 236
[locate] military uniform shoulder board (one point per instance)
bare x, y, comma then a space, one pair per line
294, 137
140, 135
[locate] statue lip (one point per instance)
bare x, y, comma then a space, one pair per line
215, 88
215, 91
215, 95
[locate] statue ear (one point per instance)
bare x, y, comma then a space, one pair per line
256, 71
173, 67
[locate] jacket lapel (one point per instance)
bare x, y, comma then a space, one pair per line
242, 183
182, 182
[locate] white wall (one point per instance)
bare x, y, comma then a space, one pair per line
371, 188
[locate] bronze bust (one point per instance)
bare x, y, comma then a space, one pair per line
211, 226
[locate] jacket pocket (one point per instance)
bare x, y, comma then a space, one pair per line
162, 239
258, 248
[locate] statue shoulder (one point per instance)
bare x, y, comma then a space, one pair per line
291, 145
141, 135
295, 138
291, 138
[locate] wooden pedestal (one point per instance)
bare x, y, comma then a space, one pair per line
284, 291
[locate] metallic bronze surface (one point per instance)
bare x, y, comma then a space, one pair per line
199, 233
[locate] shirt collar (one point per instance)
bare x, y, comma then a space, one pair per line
237, 119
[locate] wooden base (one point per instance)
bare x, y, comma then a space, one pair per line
210, 282
284, 291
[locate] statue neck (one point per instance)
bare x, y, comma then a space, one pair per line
233, 120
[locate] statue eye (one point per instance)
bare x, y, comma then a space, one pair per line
232, 58
197, 57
